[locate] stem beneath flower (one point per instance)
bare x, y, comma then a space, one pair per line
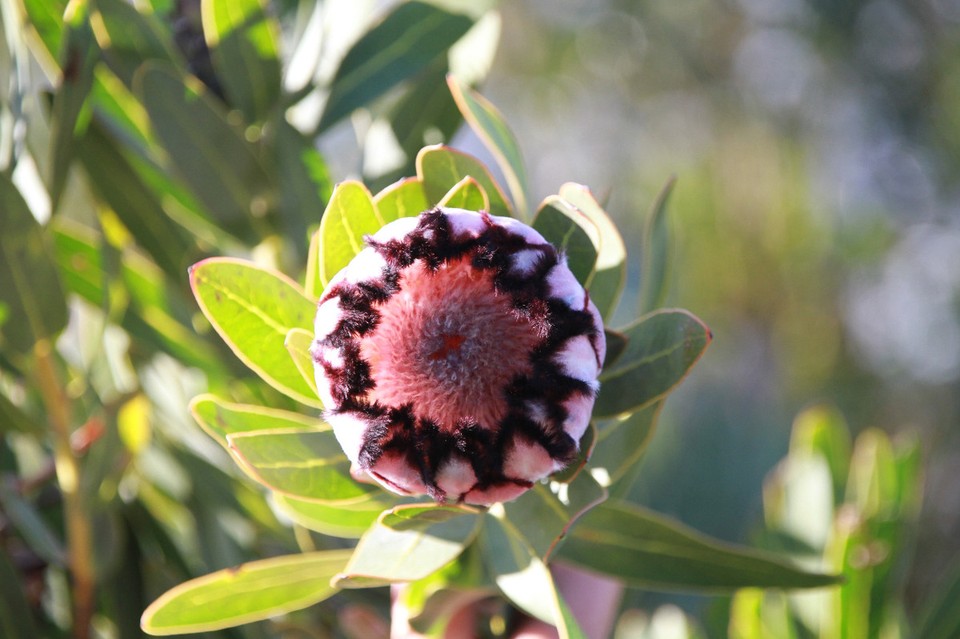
79, 534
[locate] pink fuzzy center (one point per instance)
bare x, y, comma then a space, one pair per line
448, 344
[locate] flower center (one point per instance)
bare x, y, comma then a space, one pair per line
440, 346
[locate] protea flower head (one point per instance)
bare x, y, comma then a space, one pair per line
457, 356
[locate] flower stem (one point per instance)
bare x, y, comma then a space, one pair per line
79, 534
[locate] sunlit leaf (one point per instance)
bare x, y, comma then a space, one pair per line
661, 349
522, 577
489, 125
410, 542
249, 592
129, 34
656, 252
220, 418
242, 40
572, 232
253, 309
405, 198
303, 464
349, 520
407, 40
440, 168
822, 430
466, 194
27, 267
350, 216
651, 551
298, 343
608, 280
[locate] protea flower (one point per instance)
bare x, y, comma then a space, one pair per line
457, 356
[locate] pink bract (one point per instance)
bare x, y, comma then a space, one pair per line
457, 356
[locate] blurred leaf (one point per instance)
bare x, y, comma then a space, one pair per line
440, 168
129, 35
656, 252
572, 232
648, 550
522, 577
407, 40
253, 309
433, 601
466, 194
308, 465
426, 114
46, 18
798, 498
249, 592
661, 349
243, 48
350, 216
489, 125
608, 280
27, 267
823, 430
77, 60
340, 520
15, 620
220, 418
409, 543
760, 614
31, 525
543, 515
298, 343
622, 442
940, 617
211, 156
138, 207
12, 419
405, 198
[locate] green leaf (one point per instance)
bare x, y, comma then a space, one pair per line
77, 61
298, 343
405, 198
490, 127
572, 232
940, 618
253, 309
304, 464
30, 524
15, 623
46, 18
622, 442
220, 418
409, 543
407, 40
117, 183
249, 592
661, 349
544, 514
426, 114
205, 151
521, 576
616, 344
611, 271
441, 168
760, 614
656, 252
27, 267
243, 48
312, 286
12, 419
350, 216
648, 550
349, 521
466, 194
128, 35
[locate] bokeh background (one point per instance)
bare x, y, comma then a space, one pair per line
816, 218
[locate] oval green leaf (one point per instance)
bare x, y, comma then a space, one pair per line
661, 348
253, 309
440, 168
648, 550
656, 252
573, 233
298, 343
348, 521
220, 418
622, 442
466, 194
409, 543
404, 198
349, 217
250, 592
307, 465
